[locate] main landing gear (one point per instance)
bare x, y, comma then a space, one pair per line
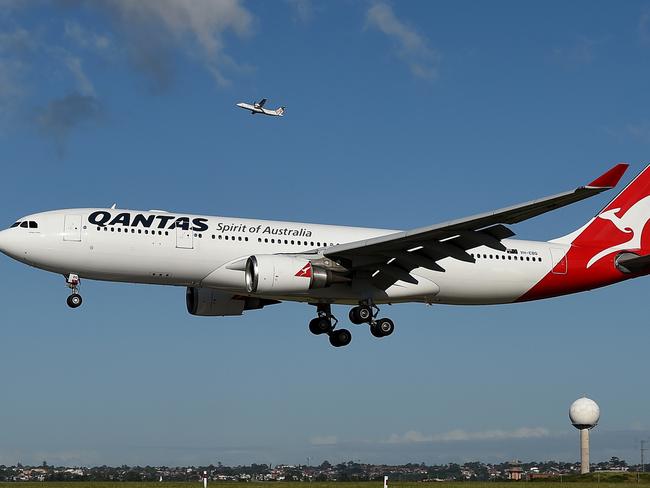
325, 323
365, 313
74, 300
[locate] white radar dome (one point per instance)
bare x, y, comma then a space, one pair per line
584, 413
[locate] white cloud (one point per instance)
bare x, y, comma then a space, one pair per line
15, 47
303, 9
413, 48
17, 42
84, 38
639, 131
10, 76
581, 52
644, 26
84, 84
326, 440
458, 435
199, 25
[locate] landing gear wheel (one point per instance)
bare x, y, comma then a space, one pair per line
360, 314
320, 325
382, 328
340, 337
74, 300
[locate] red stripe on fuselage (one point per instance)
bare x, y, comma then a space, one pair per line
578, 277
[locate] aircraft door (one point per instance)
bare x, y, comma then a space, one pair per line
559, 260
72, 228
184, 238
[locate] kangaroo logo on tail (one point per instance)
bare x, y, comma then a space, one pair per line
632, 222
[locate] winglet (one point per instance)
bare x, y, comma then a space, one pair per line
611, 178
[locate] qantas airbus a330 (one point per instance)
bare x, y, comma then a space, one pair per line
230, 265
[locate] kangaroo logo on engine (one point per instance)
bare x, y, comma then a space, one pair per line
305, 271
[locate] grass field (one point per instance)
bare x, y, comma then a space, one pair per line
604, 480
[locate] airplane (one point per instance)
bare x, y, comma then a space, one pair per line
231, 265
258, 108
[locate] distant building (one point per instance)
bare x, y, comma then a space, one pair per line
515, 472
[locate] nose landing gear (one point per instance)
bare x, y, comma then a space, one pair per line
74, 300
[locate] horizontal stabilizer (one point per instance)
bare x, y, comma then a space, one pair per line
631, 263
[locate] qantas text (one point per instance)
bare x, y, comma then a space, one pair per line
103, 218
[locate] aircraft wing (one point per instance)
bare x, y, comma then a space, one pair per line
261, 103
395, 255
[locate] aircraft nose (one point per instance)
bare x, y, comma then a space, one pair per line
7, 243
3, 240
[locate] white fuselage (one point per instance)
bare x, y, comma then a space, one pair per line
163, 248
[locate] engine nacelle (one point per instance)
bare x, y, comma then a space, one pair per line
276, 274
212, 303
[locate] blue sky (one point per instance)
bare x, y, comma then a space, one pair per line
398, 115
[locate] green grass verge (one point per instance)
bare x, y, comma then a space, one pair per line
602, 480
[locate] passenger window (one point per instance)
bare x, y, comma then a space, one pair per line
246, 239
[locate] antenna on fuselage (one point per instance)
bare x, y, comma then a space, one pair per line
113, 206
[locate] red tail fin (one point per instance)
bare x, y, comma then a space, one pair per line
620, 225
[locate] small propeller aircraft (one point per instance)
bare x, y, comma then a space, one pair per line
258, 108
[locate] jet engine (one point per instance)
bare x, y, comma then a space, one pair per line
277, 274
211, 303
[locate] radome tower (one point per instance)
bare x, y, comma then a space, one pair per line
584, 414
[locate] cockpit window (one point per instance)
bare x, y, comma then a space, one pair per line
33, 225
24, 224
15, 224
